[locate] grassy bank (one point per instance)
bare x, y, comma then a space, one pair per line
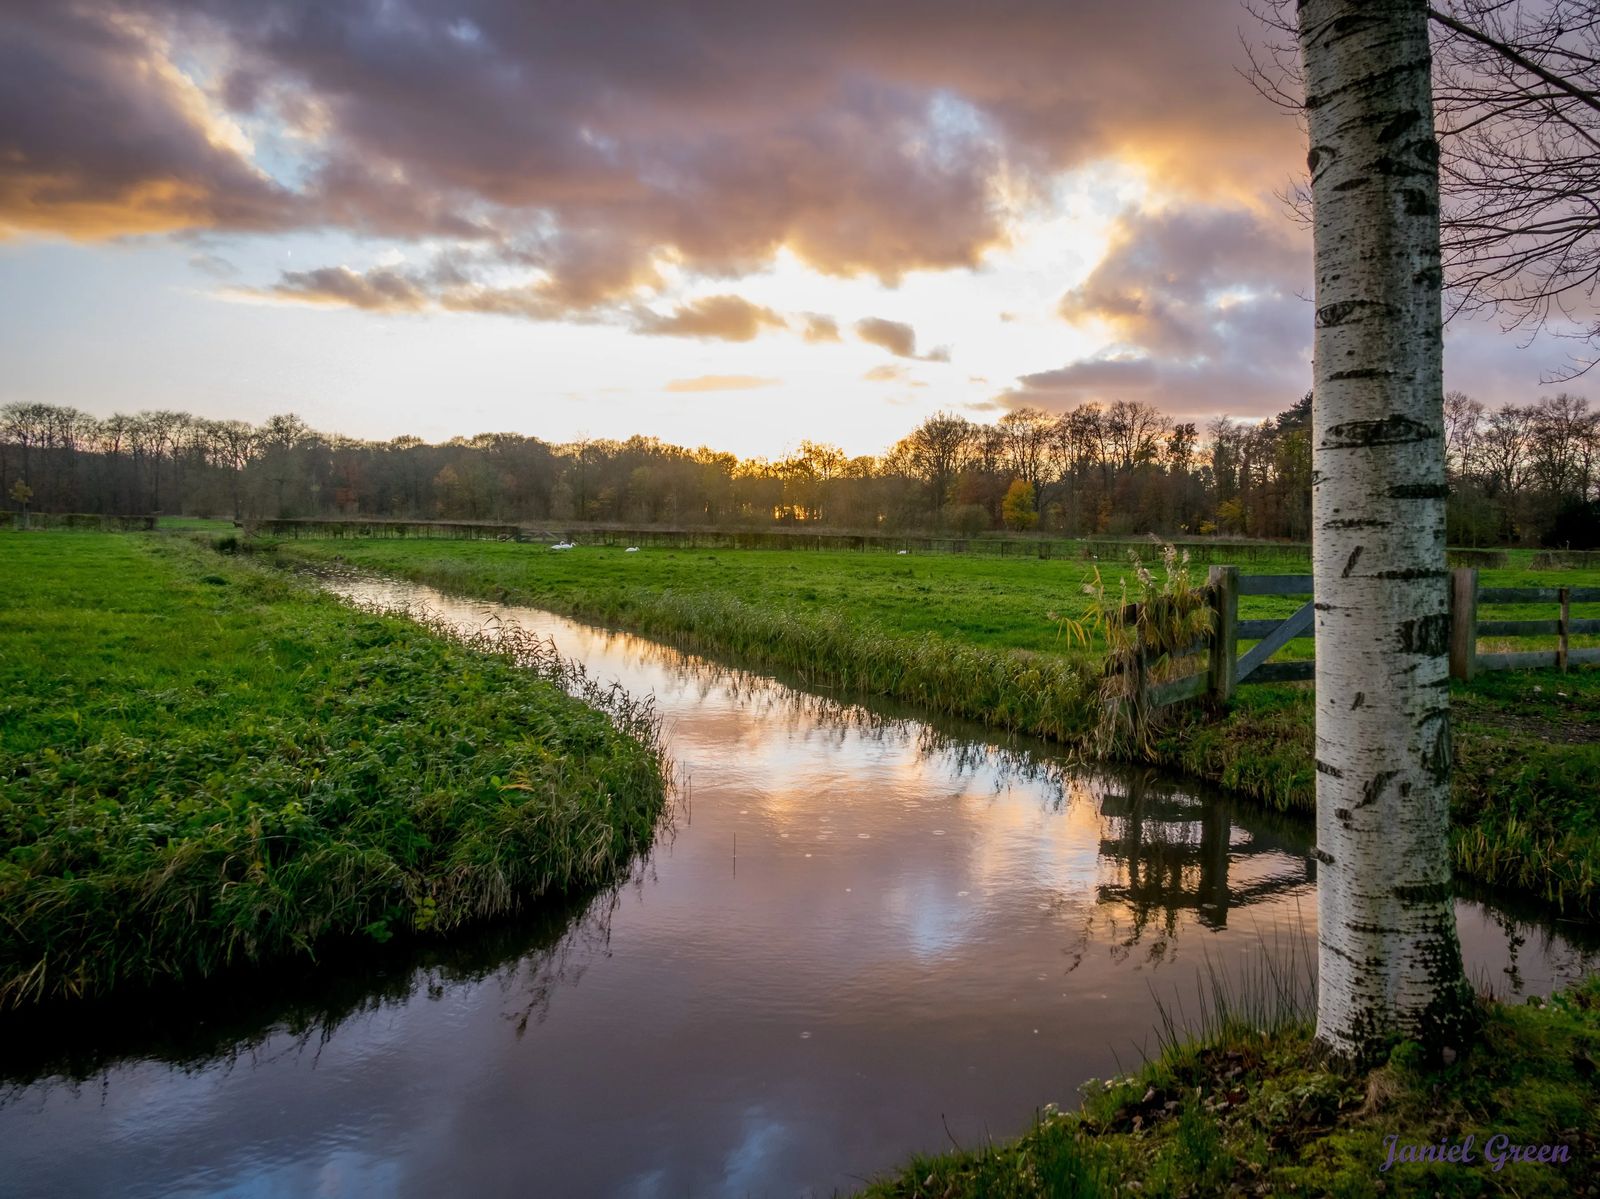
945, 633
976, 638
1246, 1112
204, 763
1524, 795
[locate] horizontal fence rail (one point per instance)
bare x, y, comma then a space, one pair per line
783, 537
1226, 669
1465, 658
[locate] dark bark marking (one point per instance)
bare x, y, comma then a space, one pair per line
1324, 857
1422, 892
1350, 562
1330, 771
1403, 575
1419, 491
1417, 202
1357, 522
1426, 635
1364, 373
1372, 791
1398, 125
1361, 698
1330, 316
1391, 430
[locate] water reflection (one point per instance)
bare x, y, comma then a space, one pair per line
1172, 851
868, 929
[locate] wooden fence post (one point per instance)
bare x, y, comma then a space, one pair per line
1224, 656
1463, 623
1561, 629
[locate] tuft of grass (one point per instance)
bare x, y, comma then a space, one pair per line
206, 764
1257, 1111
1145, 631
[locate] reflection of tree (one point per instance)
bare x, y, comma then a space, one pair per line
1173, 852
301, 1005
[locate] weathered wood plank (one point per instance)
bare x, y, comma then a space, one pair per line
1537, 595
1224, 587
1251, 630
1529, 660
1275, 585
1463, 622
1519, 628
1276, 640
1587, 654
1283, 672
1563, 630
1179, 689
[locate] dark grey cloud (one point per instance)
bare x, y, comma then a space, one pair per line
374, 291
586, 143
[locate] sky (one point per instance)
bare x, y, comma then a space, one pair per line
732, 224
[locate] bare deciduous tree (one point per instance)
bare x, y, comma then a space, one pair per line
1517, 113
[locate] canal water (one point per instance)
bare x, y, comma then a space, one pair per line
861, 936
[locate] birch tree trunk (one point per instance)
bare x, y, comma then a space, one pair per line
1389, 960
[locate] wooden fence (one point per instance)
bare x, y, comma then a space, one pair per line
1226, 669
84, 520
771, 537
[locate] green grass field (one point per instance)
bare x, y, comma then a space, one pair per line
205, 763
994, 603
975, 637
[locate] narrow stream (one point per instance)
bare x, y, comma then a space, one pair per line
864, 936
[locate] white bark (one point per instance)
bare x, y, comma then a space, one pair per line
1389, 960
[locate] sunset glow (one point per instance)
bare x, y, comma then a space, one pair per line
408, 218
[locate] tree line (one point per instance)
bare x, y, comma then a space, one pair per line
1519, 474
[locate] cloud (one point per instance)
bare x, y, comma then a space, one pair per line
721, 383
887, 373
373, 291
1184, 390
866, 140
725, 318
101, 135
898, 338
214, 265
820, 328
1173, 282
1205, 308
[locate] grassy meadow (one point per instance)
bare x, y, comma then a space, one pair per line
982, 638
207, 764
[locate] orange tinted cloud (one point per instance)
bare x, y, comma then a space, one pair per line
724, 318
899, 338
721, 383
